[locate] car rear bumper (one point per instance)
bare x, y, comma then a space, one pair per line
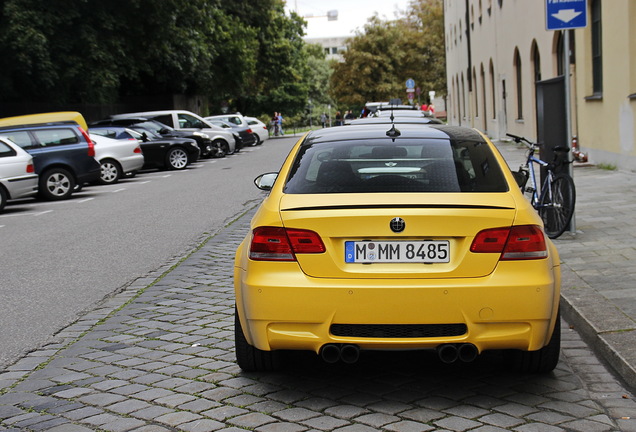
505, 310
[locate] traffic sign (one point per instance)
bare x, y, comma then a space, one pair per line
565, 14
410, 83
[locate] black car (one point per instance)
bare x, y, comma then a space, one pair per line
63, 155
207, 147
159, 152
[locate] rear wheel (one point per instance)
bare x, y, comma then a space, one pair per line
56, 184
177, 158
557, 213
252, 359
3, 198
543, 360
111, 172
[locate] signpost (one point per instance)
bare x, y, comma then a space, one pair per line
565, 15
410, 89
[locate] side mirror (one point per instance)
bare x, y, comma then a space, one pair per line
266, 181
144, 137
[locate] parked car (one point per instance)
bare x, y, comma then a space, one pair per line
17, 173
384, 239
159, 152
402, 113
117, 158
207, 147
63, 153
240, 125
396, 120
229, 142
259, 128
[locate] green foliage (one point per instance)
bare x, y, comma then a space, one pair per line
100, 51
379, 60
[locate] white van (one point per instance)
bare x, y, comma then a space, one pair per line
229, 142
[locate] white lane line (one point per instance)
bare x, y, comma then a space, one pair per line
85, 200
43, 212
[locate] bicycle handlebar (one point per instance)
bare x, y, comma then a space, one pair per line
519, 139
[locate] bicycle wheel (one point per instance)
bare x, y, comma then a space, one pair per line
557, 210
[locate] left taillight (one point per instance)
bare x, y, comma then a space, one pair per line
282, 244
137, 150
30, 168
523, 242
91, 145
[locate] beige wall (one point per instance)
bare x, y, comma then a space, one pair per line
604, 126
606, 123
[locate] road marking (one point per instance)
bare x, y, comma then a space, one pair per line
118, 190
85, 200
41, 213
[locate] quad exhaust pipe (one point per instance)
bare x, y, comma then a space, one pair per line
447, 353
450, 353
347, 353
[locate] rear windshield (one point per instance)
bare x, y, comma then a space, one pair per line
422, 165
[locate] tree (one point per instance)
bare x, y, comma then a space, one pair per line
100, 51
380, 59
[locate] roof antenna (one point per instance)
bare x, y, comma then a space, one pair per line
393, 133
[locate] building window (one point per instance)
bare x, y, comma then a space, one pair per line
597, 51
493, 92
536, 61
475, 93
518, 69
483, 93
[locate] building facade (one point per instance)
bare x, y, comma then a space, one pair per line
497, 51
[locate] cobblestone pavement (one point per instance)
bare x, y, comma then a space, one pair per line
159, 356
598, 271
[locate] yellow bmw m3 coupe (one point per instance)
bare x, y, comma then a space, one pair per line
396, 237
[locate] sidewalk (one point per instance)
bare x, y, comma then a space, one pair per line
598, 262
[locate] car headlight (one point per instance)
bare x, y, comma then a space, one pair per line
201, 135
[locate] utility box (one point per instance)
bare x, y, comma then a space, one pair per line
551, 119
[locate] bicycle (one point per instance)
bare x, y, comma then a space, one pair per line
554, 201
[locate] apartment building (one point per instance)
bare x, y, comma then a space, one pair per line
498, 52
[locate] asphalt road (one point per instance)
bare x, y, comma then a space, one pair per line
59, 259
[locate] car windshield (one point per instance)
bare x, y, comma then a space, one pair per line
409, 165
141, 130
154, 126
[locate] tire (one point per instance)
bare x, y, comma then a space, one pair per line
3, 198
259, 141
543, 360
223, 148
111, 172
177, 158
558, 214
56, 184
252, 359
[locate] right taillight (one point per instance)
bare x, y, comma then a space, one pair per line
30, 169
281, 244
523, 242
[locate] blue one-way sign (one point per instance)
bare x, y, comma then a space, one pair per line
565, 14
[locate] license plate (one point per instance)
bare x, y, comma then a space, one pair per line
429, 251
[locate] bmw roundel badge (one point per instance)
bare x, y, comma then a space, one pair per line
397, 224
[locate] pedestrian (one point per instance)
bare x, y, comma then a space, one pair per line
280, 124
323, 120
338, 118
349, 115
428, 109
274, 125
